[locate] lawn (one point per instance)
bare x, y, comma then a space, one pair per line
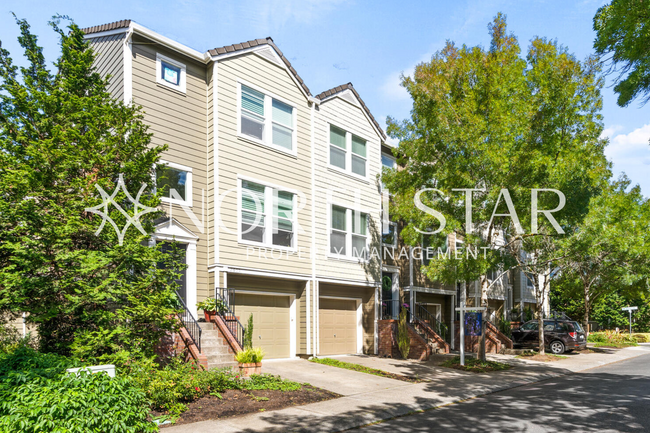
547, 357
475, 365
363, 369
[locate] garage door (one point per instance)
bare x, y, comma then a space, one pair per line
337, 320
271, 321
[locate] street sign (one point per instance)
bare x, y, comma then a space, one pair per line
462, 310
629, 310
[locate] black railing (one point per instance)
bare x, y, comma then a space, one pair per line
227, 314
390, 309
190, 323
423, 315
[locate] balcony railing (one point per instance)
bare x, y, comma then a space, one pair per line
189, 323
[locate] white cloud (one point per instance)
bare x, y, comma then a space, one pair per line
392, 87
272, 14
630, 153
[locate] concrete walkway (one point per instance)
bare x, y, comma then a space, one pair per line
367, 398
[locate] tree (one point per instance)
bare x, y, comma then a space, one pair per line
500, 125
61, 134
403, 339
610, 250
623, 33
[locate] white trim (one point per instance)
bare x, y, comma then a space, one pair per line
267, 136
308, 285
268, 216
107, 33
189, 192
182, 79
429, 290
215, 137
127, 51
368, 119
183, 49
313, 222
346, 282
176, 232
359, 304
282, 65
265, 273
292, 315
348, 153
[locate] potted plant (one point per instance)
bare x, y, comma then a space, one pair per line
211, 307
250, 361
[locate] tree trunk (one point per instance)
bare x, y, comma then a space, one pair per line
540, 313
484, 303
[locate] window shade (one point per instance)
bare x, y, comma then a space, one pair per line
338, 218
252, 100
249, 191
282, 113
359, 223
337, 137
358, 146
284, 208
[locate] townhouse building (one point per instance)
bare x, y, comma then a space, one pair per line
274, 193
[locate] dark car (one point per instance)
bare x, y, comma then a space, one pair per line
559, 335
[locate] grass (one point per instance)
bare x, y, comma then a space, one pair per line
537, 357
618, 345
362, 368
475, 365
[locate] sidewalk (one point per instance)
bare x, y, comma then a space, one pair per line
367, 398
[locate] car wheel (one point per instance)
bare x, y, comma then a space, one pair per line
557, 347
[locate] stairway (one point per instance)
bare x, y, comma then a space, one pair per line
435, 347
215, 347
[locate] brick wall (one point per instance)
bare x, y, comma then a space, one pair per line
387, 330
492, 343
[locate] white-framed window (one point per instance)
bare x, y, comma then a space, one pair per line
389, 238
171, 73
266, 215
175, 180
266, 119
348, 233
348, 152
387, 161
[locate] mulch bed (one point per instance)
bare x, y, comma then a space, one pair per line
543, 358
236, 402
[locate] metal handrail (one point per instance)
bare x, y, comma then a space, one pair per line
227, 314
423, 315
190, 323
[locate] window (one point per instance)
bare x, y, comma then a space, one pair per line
170, 73
390, 237
262, 204
530, 280
175, 181
530, 326
348, 152
389, 162
266, 120
348, 233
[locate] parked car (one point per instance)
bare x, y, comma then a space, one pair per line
559, 335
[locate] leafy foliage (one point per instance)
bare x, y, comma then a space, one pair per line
250, 355
475, 365
248, 333
403, 339
612, 339
212, 304
622, 34
61, 134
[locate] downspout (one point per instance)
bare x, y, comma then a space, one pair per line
313, 234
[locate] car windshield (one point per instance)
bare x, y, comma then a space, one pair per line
577, 326
530, 326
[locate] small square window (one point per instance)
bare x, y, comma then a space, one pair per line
171, 74
175, 181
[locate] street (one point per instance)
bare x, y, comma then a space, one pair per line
612, 398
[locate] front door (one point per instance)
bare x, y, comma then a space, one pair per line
167, 247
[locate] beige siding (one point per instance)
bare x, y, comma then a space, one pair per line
109, 60
240, 157
179, 121
343, 187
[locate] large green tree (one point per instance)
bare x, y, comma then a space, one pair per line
500, 124
610, 251
623, 40
61, 134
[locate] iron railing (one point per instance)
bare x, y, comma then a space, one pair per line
227, 314
190, 323
423, 315
390, 309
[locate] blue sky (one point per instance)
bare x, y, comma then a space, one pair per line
331, 42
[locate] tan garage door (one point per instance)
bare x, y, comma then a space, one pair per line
337, 320
271, 321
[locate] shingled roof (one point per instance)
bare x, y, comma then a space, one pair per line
254, 43
106, 27
338, 89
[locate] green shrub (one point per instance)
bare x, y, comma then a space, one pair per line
612, 338
24, 364
403, 339
268, 381
641, 338
212, 304
248, 333
71, 403
251, 355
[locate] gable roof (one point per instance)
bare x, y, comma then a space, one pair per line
338, 89
257, 42
106, 27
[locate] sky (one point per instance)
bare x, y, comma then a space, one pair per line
368, 43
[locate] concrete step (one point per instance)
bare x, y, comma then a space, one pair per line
220, 358
207, 326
